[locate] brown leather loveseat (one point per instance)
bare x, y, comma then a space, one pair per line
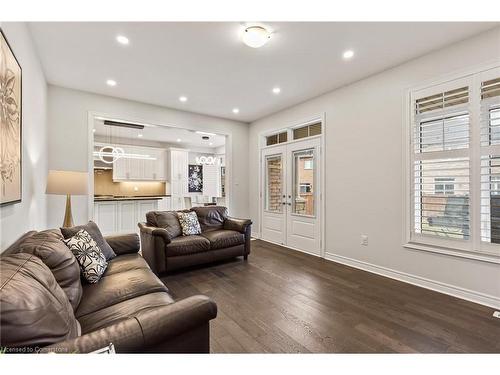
166, 249
44, 306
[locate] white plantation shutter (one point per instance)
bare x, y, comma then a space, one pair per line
490, 159
441, 162
454, 175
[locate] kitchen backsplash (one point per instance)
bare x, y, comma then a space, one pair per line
104, 185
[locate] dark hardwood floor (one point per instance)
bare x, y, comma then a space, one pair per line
283, 301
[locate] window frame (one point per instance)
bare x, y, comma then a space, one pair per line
471, 248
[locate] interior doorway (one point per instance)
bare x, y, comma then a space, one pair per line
137, 167
291, 197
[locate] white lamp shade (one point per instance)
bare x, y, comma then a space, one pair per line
67, 182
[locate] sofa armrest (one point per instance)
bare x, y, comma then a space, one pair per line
157, 330
153, 245
239, 225
124, 243
155, 231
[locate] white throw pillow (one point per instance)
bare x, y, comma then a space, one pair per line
90, 257
189, 223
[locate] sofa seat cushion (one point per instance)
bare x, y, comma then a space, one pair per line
223, 238
124, 263
186, 245
123, 310
116, 288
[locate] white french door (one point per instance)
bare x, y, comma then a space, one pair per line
291, 207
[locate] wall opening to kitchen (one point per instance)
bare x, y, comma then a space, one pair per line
139, 168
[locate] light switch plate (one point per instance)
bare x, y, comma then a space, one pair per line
364, 240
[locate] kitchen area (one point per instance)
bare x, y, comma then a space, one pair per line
140, 168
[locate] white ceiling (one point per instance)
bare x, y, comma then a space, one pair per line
209, 64
157, 134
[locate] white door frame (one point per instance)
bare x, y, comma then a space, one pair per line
322, 196
93, 115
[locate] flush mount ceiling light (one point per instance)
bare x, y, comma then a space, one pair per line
276, 90
178, 139
205, 133
111, 82
256, 36
122, 40
348, 54
236, 111
183, 98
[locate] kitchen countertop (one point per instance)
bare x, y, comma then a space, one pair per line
107, 198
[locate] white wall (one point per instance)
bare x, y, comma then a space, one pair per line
31, 212
364, 156
68, 140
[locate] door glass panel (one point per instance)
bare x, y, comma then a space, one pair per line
274, 183
303, 182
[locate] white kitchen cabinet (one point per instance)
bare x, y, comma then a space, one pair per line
144, 207
165, 204
178, 170
122, 216
136, 169
106, 217
127, 216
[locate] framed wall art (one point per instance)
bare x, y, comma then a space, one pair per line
10, 125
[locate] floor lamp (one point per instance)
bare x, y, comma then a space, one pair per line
67, 183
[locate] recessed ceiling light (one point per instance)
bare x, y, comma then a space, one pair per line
236, 111
348, 54
93, 130
210, 144
276, 90
111, 82
139, 135
178, 139
122, 40
183, 98
256, 36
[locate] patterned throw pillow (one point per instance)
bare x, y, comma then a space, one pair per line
189, 223
90, 257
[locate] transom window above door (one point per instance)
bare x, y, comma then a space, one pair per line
294, 133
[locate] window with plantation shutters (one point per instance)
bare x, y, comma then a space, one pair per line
490, 160
441, 170
453, 190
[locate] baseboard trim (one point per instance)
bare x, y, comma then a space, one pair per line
292, 248
437, 286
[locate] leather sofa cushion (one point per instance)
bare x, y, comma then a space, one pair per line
14, 248
48, 246
185, 245
95, 233
35, 310
123, 310
167, 220
116, 288
211, 217
125, 263
224, 238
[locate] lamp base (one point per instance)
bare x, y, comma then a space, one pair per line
68, 217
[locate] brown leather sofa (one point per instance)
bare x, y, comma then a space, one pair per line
44, 306
166, 249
